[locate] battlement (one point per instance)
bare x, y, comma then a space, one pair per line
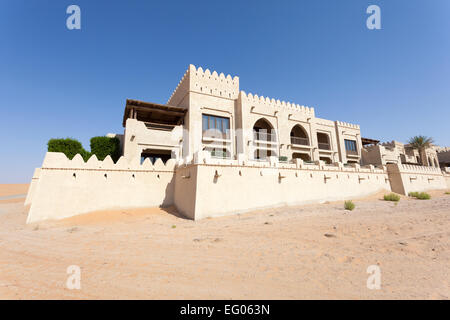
442, 149
408, 168
260, 100
347, 125
392, 143
206, 82
58, 160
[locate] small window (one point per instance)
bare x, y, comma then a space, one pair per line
350, 145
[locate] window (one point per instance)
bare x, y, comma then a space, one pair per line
350, 145
218, 126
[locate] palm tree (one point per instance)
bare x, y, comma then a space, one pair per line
421, 143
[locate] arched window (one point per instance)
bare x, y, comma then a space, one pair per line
263, 131
323, 140
299, 136
265, 140
430, 164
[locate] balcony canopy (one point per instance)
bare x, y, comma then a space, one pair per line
153, 113
367, 141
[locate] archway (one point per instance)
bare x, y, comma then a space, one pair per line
264, 140
263, 130
299, 135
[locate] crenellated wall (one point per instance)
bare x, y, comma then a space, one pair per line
65, 188
230, 189
411, 178
205, 82
209, 187
277, 105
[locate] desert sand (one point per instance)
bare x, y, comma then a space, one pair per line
316, 251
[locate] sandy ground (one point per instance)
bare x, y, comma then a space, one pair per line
12, 193
315, 251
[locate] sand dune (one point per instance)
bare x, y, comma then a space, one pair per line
314, 251
13, 189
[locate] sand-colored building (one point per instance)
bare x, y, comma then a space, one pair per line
398, 153
214, 150
208, 112
443, 154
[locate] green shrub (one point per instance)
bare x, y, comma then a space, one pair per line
447, 192
283, 158
423, 196
104, 146
349, 205
420, 195
70, 147
392, 197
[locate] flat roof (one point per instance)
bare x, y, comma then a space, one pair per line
158, 112
366, 141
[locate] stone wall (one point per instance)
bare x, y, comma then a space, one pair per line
230, 189
409, 178
66, 187
210, 187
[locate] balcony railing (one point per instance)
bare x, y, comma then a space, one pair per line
324, 146
216, 134
263, 136
300, 141
220, 154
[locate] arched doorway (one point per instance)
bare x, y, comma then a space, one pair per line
299, 136
263, 131
265, 140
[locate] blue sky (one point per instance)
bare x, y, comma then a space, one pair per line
56, 82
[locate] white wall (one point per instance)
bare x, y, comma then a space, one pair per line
230, 189
70, 187
410, 178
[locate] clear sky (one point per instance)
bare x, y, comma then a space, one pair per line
55, 82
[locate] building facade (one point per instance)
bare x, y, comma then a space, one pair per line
208, 112
398, 153
214, 150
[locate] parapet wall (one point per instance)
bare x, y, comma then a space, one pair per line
447, 180
261, 101
209, 187
206, 82
348, 125
230, 189
66, 187
410, 178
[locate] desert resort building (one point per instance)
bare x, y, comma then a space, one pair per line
215, 150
